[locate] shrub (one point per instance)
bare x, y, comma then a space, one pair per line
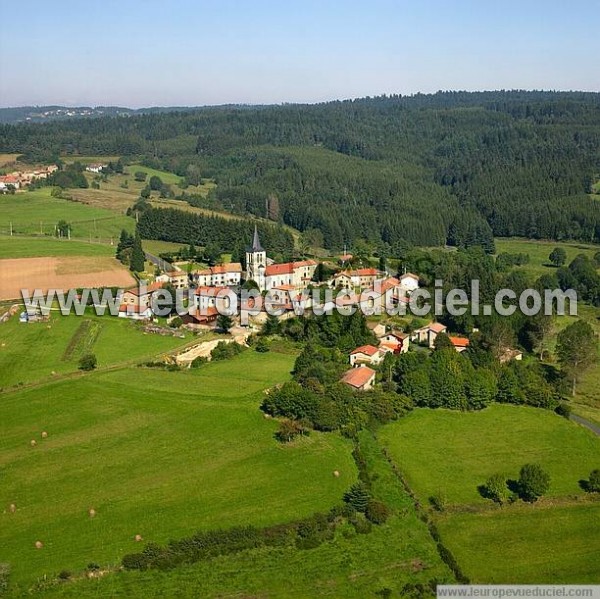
93, 567
357, 496
362, 526
593, 484
289, 430
563, 409
224, 351
377, 512
199, 361
262, 346
439, 501
88, 362
176, 322
65, 575
496, 489
534, 481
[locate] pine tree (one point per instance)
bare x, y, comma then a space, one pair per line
137, 255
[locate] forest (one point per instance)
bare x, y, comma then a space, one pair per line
451, 167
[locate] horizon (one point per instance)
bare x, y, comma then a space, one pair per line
201, 54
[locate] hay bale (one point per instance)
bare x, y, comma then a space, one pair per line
336, 473
138, 538
39, 544
12, 508
33, 442
92, 512
44, 435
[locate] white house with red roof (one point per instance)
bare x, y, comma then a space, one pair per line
394, 341
460, 344
428, 333
222, 275
365, 354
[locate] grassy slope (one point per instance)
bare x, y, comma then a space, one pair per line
352, 566
455, 452
155, 453
32, 247
540, 250
527, 545
27, 210
30, 352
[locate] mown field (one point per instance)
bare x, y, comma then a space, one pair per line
154, 453
37, 213
450, 454
539, 251
454, 452
350, 566
32, 352
549, 544
32, 247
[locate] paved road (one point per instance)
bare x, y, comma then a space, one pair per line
591, 425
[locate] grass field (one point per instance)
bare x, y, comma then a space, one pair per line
454, 452
31, 247
37, 212
154, 453
157, 247
527, 545
31, 352
350, 566
540, 250
556, 540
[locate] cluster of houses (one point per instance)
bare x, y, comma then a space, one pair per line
18, 179
362, 377
95, 167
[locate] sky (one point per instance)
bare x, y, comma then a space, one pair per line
189, 53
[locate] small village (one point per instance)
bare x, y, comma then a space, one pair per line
285, 283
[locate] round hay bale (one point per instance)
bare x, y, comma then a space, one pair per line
336, 473
92, 512
33, 442
39, 544
44, 435
138, 538
12, 508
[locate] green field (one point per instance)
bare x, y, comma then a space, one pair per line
33, 247
32, 352
350, 566
540, 250
454, 452
37, 213
447, 453
527, 545
154, 453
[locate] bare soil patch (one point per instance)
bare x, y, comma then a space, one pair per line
67, 272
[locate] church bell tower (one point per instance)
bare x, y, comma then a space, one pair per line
256, 262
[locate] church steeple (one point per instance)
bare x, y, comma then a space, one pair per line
256, 247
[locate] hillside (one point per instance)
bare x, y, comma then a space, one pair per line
451, 167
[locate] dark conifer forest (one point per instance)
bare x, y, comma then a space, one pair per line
451, 167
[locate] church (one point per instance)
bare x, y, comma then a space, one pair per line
289, 276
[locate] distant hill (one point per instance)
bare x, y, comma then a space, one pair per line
41, 114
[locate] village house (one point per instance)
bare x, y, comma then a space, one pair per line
377, 328
361, 379
95, 167
178, 278
8, 181
409, 282
460, 343
200, 319
428, 333
222, 275
135, 312
140, 296
211, 297
395, 341
365, 354
362, 278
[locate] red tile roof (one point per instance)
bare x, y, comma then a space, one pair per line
358, 377
437, 327
368, 350
459, 341
225, 268
279, 269
365, 272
